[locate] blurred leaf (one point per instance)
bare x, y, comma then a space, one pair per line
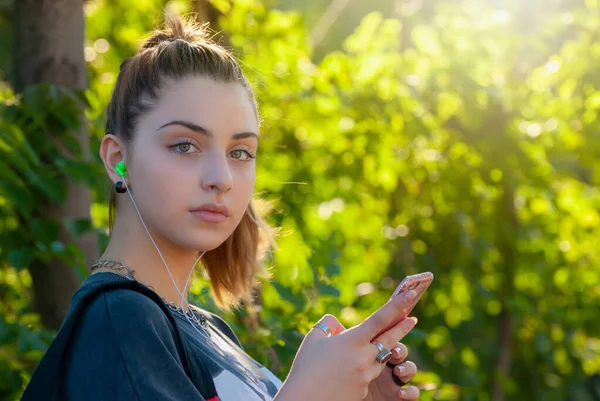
20, 259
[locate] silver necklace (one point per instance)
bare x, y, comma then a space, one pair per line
125, 271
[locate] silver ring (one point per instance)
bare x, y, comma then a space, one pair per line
324, 327
384, 356
379, 346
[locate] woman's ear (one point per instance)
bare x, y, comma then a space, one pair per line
112, 151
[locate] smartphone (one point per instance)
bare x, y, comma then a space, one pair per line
418, 282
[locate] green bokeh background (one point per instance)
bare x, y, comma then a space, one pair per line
457, 137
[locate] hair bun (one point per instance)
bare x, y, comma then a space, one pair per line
178, 28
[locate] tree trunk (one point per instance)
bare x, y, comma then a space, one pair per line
504, 358
507, 245
49, 43
207, 12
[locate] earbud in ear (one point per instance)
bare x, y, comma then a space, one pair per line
121, 169
120, 188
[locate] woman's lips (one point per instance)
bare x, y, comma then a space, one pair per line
209, 217
211, 212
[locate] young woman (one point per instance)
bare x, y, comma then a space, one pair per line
181, 145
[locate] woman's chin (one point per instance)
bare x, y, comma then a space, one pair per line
202, 244
202, 239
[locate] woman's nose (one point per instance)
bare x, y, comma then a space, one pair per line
217, 175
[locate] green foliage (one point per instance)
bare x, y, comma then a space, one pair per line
468, 151
38, 152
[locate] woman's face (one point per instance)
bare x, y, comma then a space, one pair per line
191, 166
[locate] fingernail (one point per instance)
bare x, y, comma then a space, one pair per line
410, 295
403, 393
412, 322
402, 369
397, 349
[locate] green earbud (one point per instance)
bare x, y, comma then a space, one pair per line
121, 169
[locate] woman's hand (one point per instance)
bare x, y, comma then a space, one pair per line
385, 389
342, 367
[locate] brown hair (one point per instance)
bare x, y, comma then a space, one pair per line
180, 50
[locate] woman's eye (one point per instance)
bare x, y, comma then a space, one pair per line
184, 147
240, 154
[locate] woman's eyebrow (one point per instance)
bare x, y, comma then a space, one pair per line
245, 135
188, 125
206, 132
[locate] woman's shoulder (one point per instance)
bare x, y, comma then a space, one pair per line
127, 306
118, 323
126, 336
114, 307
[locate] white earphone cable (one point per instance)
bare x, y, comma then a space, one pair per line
183, 300
181, 294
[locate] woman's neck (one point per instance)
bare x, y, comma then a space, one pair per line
130, 245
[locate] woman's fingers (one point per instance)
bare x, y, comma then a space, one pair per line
327, 326
406, 371
408, 393
390, 340
398, 332
386, 316
399, 353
